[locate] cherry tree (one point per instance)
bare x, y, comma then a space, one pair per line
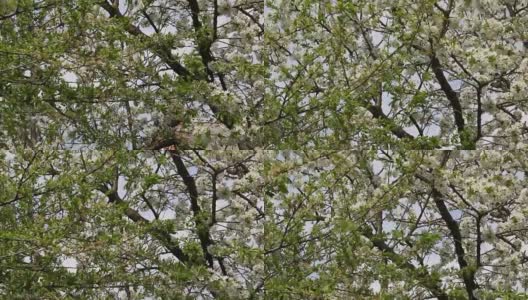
131, 74
82, 84
243, 149
420, 74
397, 225
132, 225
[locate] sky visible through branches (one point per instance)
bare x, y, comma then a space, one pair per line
252, 149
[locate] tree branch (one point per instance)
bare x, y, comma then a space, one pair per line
468, 273
425, 279
454, 101
164, 52
163, 237
200, 220
396, 130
